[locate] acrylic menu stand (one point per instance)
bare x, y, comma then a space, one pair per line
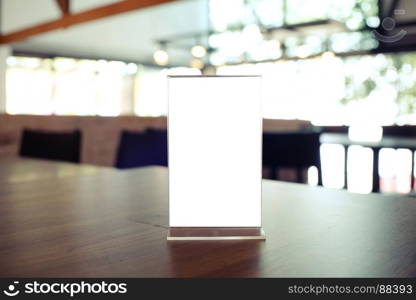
215, 150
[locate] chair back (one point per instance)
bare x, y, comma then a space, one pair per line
295, 149
64, 146
140, 149
399, 131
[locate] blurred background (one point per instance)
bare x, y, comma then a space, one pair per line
339, 93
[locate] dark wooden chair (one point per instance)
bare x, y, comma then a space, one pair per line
399, 131
334, 129
140, 149
299, 150
63, 146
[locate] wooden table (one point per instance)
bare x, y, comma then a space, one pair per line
386, 142
64, 220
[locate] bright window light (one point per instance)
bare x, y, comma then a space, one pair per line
66, 86
151, 90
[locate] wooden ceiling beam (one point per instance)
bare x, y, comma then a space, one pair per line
64, 6
82, 17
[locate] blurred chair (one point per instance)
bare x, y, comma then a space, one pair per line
64, 146
334, 129
399, 131
298, 150
140, 149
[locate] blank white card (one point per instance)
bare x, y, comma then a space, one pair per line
215, 145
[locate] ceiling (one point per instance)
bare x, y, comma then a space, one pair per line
129, 36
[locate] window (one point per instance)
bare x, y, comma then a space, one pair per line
151, 90
251, 30
29, 85
68, 86
329, 90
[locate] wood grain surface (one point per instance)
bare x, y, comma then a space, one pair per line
67, 220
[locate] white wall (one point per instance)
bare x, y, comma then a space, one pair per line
5, 51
